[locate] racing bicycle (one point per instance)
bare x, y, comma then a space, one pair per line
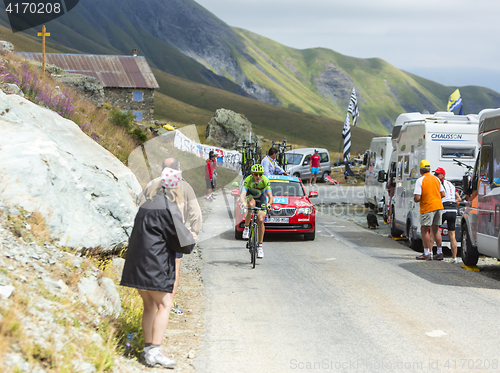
253, 238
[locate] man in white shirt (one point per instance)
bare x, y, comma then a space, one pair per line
270, 165
449, 200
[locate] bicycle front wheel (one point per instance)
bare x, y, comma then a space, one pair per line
254, 240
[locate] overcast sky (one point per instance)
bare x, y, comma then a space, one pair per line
453, 42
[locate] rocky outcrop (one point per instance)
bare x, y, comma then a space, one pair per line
86, 195
228, 129
87, 86
335, 85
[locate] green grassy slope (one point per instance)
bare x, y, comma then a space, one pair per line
383, 91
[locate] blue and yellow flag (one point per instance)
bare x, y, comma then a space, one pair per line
455, 101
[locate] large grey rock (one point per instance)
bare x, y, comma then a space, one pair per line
12, 89
86, 195
228, 129
88, 86
6, 47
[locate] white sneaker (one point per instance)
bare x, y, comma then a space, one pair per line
260, 252
246, 233
212, 196
155, 357
453, 260
314, 185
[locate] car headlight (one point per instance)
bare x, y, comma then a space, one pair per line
305, 210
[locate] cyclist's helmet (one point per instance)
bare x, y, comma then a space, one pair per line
257, 169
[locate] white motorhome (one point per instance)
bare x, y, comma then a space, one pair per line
439, 138
481, 218
378, 158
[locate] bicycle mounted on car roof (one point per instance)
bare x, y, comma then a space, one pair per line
281, 156
251, 154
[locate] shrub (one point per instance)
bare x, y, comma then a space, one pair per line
139, 135
124, 120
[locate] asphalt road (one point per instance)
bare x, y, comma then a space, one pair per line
349, 301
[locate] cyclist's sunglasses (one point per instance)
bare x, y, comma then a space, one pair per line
258, 173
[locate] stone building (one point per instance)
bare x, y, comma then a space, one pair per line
128, 81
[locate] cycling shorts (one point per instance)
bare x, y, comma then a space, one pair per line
260, 201
450, 217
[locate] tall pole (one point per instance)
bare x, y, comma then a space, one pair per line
43, 34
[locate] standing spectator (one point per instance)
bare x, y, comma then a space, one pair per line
150, 265
314, 166
214, 174
186, 201
450, 211
429, 191
270, 165
209, 174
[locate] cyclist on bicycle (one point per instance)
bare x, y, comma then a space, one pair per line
255, 189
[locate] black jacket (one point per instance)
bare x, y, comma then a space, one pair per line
150, 261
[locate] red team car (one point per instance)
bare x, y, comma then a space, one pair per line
291, 212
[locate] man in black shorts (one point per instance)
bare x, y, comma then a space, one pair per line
450, 200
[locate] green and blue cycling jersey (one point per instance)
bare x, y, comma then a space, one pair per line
256, 190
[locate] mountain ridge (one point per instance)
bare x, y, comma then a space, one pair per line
182, 38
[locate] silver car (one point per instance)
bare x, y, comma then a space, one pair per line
298, 163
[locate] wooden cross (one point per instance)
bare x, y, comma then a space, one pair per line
43, 34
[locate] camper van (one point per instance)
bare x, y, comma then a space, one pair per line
378, 158
440, 138
481, 216
298, 163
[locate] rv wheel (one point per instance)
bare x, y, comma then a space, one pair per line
394, 231
413, 242
469, 252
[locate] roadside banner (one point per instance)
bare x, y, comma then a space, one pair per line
229, 159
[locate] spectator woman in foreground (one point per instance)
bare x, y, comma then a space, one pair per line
150, 264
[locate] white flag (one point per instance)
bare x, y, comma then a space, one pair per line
353, 107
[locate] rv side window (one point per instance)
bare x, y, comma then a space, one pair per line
485, 171
407, 164
456, 152
382, 154
495, 139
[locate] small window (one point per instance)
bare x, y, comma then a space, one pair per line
138, 115
323, 157
407, 164
400, 167
455, 152
138, 96
382, 154
485, 165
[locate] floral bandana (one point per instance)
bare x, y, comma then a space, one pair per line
171, 178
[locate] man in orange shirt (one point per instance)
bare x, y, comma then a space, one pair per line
429, 191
